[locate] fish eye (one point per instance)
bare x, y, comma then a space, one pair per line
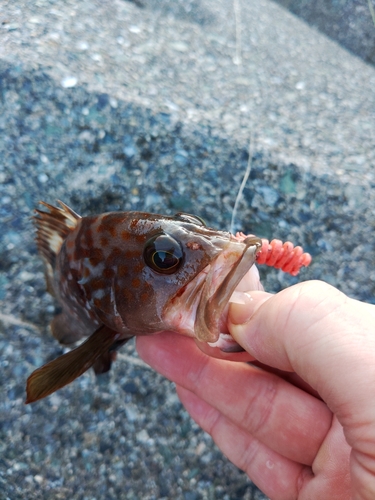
194, 219
163, 254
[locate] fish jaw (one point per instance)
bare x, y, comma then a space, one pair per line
219, 286
198, 311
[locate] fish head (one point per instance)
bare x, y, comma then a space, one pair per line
199, 309
179, 274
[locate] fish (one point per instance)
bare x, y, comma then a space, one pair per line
116, 275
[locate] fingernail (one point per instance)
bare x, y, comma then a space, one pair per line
239, 298
240, 309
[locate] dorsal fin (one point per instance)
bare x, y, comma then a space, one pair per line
52, 229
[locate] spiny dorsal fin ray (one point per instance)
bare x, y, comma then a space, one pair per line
53, 226
52, 229
66, 368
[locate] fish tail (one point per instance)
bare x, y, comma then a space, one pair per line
52, 227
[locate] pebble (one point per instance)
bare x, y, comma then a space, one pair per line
82, 45
42, 178
270, 195
143, 437
134, 29
69, 81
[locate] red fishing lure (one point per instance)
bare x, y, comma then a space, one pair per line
284, 256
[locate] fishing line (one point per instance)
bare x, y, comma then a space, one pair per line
243, 183
237, 17
372, 11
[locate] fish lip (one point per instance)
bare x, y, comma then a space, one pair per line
220, 284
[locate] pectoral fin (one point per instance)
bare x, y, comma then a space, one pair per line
66, 368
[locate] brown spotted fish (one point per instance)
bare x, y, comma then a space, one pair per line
120, 274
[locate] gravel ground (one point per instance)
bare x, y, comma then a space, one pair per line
149, 105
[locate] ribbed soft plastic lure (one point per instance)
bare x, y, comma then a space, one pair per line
120, 274
284, 256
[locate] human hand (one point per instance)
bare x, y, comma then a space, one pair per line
291, 443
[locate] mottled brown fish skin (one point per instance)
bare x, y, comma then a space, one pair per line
102, 277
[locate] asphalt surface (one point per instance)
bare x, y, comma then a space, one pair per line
150, 106
350, 22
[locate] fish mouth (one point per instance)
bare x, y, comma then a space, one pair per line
219, 284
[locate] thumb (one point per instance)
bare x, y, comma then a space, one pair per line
312, 329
